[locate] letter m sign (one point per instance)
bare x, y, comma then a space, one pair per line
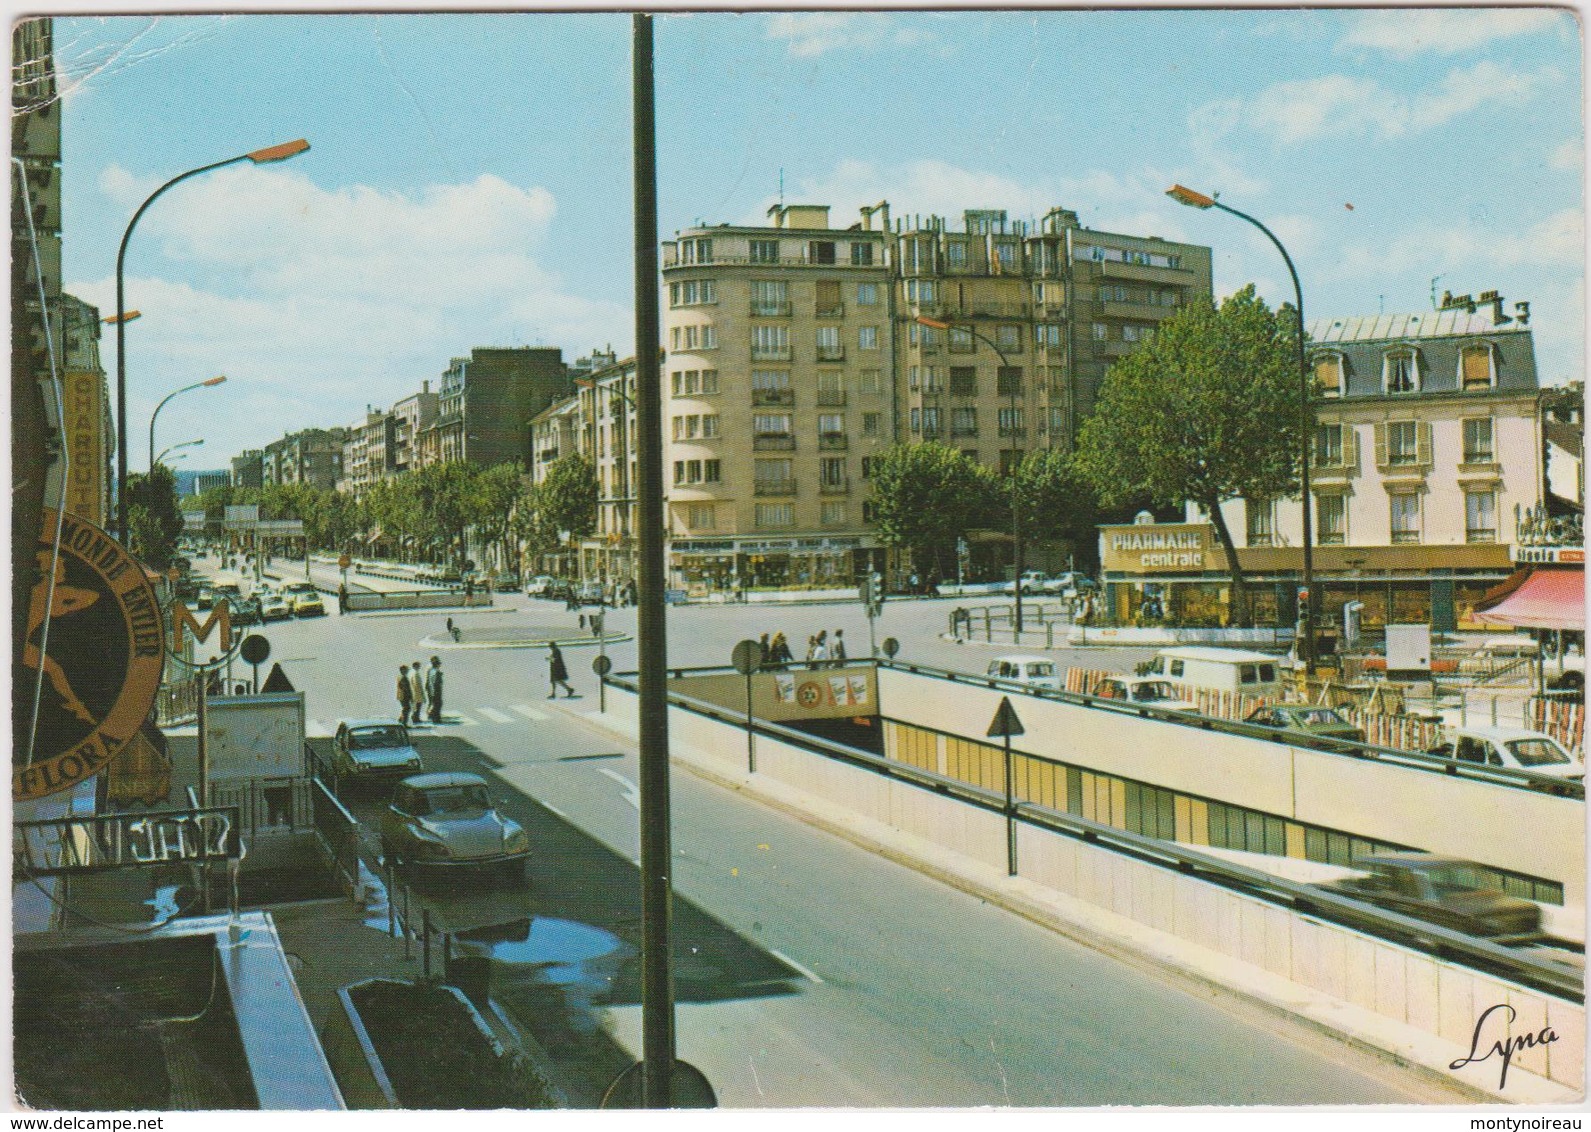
184, 623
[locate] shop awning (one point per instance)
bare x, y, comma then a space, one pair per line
1542, 599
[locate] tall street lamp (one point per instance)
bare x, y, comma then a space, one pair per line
1016, 520
1306, 417
259, 157
176, 392
161, 459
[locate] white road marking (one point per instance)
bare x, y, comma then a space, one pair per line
529, 712
550, 808
496, 716
789, 962
466, 720
632, 793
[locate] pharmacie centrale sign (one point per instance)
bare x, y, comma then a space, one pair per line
1152, 548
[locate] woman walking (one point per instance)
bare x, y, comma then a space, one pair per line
557, 673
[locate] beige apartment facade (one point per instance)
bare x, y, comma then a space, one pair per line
798, 352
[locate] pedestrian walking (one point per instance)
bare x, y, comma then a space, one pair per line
405, 694
764, 653
557, 673
837, 650
453, 630
817, 651
417, 686
433, 689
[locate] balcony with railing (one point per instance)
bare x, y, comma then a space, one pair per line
1144, 273
830, 310
770, 353
771, 310
841, 486
773, 487
832, 441
832, 352
773, 396
773, 442
1016, 432
831, 396
1139, 312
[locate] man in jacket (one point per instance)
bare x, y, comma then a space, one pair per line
405, 694
433, 689
417, 686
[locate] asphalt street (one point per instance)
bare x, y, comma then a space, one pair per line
808, 971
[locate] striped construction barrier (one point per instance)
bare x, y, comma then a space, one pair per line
1563, 720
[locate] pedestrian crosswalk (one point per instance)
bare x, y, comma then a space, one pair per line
455, 717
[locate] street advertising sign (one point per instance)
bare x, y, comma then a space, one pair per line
100, 660
1142, 548
126, 841
240, 514
185, 626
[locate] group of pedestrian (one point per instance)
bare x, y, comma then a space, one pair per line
420, 691
822, 650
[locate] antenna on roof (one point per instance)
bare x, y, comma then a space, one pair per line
781, 186
1434, 280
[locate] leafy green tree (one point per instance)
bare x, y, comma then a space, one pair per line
1057, 505
154, 519
567, 499
925, 497
1205, 411
497, 492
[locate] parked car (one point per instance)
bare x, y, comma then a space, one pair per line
308, 605
506, 582
373, 748
449, 820
1034, 671
1303, 719
1513, 748
246, 611
1222, 670
1142, 691
1068, 583
205, 598
1440, 890
1033, 581
541, 585
274, 606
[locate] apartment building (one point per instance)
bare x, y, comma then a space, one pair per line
410, 417
312, 456
604, 410
368, 451
248, 469
486, 403
1427, 452
797, 352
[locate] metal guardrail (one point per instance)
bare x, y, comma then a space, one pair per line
1420, 935
337, 829
1497, 776
365, 601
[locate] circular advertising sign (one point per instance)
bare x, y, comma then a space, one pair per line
97, 669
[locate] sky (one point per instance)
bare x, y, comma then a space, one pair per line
468, 182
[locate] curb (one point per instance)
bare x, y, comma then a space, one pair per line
444, 643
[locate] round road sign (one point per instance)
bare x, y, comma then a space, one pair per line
256, 649
602, 665
747, 656
891, 646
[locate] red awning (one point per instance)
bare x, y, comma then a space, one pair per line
1546, 599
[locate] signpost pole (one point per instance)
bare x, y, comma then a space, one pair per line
1010, 814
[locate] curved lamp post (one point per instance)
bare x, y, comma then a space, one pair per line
161, 459
259, 157
1192, 199
1016, 520
162, 405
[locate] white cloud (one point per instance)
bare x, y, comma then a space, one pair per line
1557, 241
810, 34
1569, 155
1406, 32
336, 297
1304, 110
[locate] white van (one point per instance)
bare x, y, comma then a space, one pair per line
1220, 670
1035, 671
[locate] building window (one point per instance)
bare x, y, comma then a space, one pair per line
963, 381
1008, 337
926, 378
1405, 517
828, 343
1328, 446
1100, 332
1260, 522
770, 297
764, 251
1047, 335
1403, 444
1478, 440
964, 422
712, 471
1328, 375
831, 424
770, 342
831, 513
701, 517
692, 292
1480, 516
1400, 372
1011, 422
774, 515
1477, 367
1135, 334
696, 251
867, 338
867, 467
829, 304
820, 251
956, 253
870, 424
695, 382
931, 421
920, 335
961, 340
861, 255
771, 424
696, 471
695, 337
773, 475
916, 419
1057, 419
870, 380
920, 291
1005, 253
867, 294
831, 471
1008, 381
868, 511
1331, 514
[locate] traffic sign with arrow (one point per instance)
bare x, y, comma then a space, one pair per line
1006, 723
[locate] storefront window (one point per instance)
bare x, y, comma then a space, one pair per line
1411, 603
